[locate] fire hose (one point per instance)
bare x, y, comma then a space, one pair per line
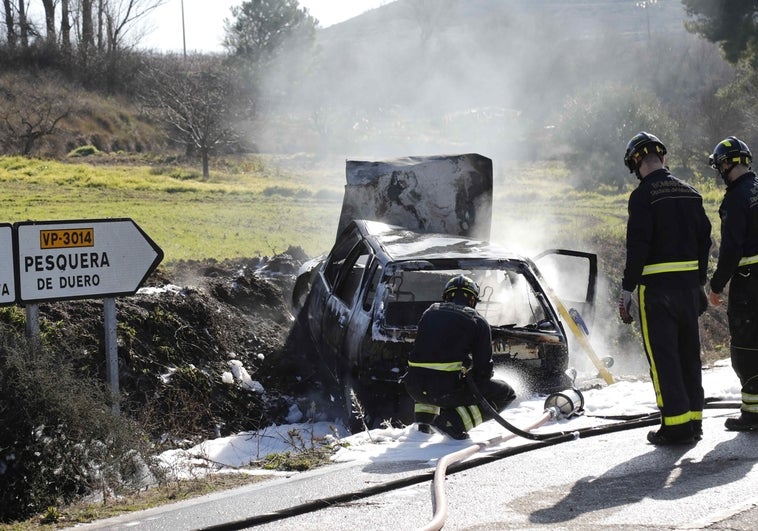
630, 422
440, 512
564, 404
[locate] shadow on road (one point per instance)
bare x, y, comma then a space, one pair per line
659, 474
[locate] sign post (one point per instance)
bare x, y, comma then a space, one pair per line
83, 259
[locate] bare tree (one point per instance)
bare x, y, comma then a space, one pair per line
65, 27
10, 24
31, 110
430, 16
118, 18
87, 31
198, 101
23, 24
49, 6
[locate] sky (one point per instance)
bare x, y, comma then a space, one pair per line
627, 395
204, 21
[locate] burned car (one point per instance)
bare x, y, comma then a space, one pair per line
359, 307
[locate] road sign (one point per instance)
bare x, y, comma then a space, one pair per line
59, 260
7, 270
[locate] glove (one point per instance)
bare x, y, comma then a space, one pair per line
625, 306
715, 298
703, 302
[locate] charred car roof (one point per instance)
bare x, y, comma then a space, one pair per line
392, 244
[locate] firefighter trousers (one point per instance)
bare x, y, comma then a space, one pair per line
671, 339
459, 406
742, 312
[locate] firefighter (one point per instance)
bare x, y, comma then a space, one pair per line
668, 237
738, 266
454, 342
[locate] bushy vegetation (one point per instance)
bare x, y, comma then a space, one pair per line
59, 438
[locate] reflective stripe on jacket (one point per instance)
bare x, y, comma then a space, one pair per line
669, 267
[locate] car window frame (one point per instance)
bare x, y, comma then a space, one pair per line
373, 278
346, 273
340, 253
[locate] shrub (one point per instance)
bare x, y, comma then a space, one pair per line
59, 439
596, 126
84, 151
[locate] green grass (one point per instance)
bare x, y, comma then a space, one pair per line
259, 209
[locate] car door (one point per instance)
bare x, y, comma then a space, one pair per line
323, 286
572, 276
341, 302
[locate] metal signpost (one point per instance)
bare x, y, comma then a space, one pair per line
82, 259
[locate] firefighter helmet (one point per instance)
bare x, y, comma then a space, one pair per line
731, 150
461, 285
641, 145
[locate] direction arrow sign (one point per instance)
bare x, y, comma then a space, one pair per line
7, 271
58, 260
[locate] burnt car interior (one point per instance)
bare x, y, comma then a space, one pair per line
506, 297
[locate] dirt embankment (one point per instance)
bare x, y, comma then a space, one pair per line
202, 347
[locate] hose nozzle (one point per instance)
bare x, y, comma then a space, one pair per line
565, 404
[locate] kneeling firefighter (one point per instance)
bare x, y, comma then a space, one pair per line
454, 342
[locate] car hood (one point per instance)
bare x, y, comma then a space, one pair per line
449, 194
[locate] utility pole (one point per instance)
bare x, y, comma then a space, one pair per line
645, 4
184, 38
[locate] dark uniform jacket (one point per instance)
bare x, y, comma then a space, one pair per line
449, 336
668, 234
739, 228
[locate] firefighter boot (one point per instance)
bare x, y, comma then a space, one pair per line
671, 435
450, 423
424, 415
745, 422
748, 419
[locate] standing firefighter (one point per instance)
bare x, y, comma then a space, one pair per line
453, 343
738, 266
668, 237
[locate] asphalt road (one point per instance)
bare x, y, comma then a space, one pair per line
611, 481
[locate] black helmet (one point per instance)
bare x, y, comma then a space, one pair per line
641, 145
732, 150
461, 285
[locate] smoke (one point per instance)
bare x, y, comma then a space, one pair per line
477, 76
609, 340
493, 77
448, 76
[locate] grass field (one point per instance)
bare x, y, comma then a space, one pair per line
259, 206
238, 212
